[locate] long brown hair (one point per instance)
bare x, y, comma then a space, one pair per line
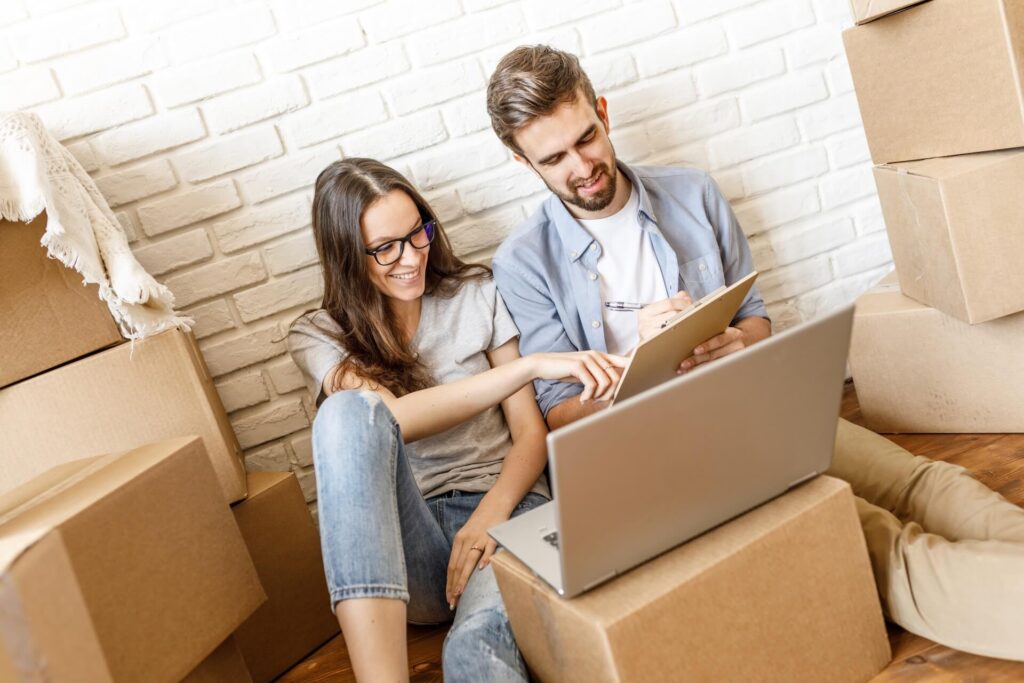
370, 332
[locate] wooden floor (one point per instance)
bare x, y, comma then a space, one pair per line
995, 459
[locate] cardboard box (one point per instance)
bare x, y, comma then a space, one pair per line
123, 567
225, 665
957, 231
783, 593
869, 10
284, 545
918, 370
124, 397
940, 78
49, 316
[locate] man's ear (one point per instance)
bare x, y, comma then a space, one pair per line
523, 160
601, 106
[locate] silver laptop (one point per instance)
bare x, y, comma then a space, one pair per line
662, 467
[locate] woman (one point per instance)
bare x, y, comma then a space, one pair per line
409, 360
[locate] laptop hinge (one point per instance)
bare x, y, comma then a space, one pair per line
601, 580
801, 480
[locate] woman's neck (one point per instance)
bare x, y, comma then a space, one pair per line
407, 314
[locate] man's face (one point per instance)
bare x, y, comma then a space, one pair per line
571, 152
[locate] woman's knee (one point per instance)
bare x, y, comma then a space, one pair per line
348, 414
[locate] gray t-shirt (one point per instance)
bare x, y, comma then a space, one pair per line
452, 340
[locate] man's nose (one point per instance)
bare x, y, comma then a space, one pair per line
583, 168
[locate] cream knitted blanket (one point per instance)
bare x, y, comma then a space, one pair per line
38, 173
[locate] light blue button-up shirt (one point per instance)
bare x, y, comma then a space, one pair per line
543, 269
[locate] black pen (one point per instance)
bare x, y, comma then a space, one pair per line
623, 306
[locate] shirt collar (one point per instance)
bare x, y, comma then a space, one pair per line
577, 240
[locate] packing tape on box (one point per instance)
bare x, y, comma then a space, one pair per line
908, 201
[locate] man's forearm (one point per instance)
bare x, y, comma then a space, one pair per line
571, 410
755, 329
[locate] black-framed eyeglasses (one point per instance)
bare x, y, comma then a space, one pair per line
392, 250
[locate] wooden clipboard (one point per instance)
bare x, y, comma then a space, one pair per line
656, 359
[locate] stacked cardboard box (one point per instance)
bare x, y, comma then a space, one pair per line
132, 566
940, 91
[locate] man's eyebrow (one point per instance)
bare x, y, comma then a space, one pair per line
581, 138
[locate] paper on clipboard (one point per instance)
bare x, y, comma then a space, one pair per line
656, 359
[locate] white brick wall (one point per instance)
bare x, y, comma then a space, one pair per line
205, 122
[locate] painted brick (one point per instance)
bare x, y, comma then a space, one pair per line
285, 376
848, 149
229, 154
870, 252
85, 155
485, 230
307, 482
334, 118
832, 116
790, 244
291, 253
636, 103
74, 116
840, 80
731, 184
838, 293
843, 187
867, 216
446, 205
218, 32
363, 67
609, 71
108, 65
210, 318
12, 11
787, 168
175, 252
768, 20
467, 115
41, 7
251, 105
544, 14
254, 346
398, 137
270, 459
692, 12
699, 122
397, 18
631, 143
294, 14
466, 35
303, 287
427, 87
790, 92
138, 182
815, 44
146, 137
200, 80
260, 425
316, 44
56, 35
129, 224
512, 181
685, 47
26, 88
754, 141
628, 25
8, 62
191, 207
243, 391
458, 159
150, 17
302, 447
294, 172
795, 279
777, 208
732, 73
214, 279
834, 10
262, 223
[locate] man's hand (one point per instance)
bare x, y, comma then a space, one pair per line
649, 319
747, 332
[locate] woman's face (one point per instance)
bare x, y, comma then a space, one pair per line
393, 217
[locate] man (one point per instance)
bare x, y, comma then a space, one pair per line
615, 250
947, 552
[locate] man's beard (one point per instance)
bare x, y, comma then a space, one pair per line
598, 201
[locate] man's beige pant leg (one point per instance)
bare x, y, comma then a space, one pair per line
947, 552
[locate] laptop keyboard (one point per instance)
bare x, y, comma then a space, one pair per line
552, 538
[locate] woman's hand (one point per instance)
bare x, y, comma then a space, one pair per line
597, 371
472, 548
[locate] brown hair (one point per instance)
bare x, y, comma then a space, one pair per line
531, 81
369, 331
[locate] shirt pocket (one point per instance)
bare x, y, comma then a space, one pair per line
701, 275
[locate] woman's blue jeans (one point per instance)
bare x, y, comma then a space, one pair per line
381, 539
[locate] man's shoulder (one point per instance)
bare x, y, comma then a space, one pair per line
531, 241
671, 176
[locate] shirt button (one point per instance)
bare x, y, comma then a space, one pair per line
595, 324
592, 276
573, 254
702, 267
593, 247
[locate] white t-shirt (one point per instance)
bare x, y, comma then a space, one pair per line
627, 271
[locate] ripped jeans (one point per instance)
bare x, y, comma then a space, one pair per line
380, 538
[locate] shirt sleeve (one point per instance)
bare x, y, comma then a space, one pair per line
536, 317
503, 327
735, 251
314, 351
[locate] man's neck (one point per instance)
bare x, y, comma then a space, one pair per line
622, 190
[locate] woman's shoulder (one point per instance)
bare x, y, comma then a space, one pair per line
317, 323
